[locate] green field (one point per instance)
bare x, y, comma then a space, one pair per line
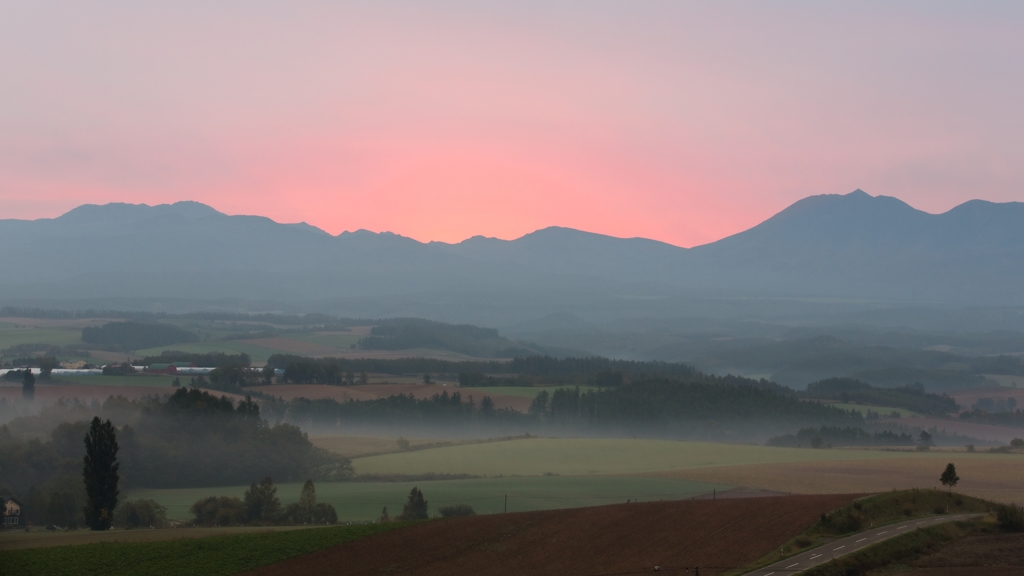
11, 336
257, 353
579, 456
214, 555
883, 410
359, 501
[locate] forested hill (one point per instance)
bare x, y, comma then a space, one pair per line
837, 246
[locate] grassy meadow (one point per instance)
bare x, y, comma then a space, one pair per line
586, 456
214, 555
362, 501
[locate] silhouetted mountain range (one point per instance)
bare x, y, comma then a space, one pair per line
853, 247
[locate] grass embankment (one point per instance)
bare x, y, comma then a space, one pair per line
880, 510
215, 555
899, 550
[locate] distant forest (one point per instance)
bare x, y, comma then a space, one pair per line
124, 336
909, 397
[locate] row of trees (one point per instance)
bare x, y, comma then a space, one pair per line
829, 436
520, 371
260, 505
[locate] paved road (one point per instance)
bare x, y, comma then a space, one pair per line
837, 548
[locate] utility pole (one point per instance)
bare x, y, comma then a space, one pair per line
506, 503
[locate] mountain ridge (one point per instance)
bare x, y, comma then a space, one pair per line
853, 246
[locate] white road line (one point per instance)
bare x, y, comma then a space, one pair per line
815, 556
841, 547
769, 574
791, 565
861, 540
902, 527
880, 533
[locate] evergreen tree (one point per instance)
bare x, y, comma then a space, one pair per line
28, 385
100, 474
949, 477
415, 506
307, 501
384, 518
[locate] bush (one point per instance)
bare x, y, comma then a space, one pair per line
1011, 518
140, 514
456, 511
219, 511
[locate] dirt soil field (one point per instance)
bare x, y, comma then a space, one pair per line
987, 555
995, 477
624, 538
374, 391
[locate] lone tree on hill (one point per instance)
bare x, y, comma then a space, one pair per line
100, 474
28, 385
949, 477
415, 506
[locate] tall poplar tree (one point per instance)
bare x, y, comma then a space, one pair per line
28, 385
100, 474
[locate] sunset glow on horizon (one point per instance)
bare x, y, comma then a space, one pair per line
445, 120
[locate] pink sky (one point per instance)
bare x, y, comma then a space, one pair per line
443, 120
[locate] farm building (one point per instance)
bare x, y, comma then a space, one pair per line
12, 513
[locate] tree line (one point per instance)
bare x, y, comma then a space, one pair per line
911, 397
520, 371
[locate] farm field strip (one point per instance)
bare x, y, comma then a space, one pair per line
884, 410
585, 456
363, 501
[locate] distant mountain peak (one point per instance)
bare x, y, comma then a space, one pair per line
115, 211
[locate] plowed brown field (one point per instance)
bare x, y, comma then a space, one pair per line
619, 539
